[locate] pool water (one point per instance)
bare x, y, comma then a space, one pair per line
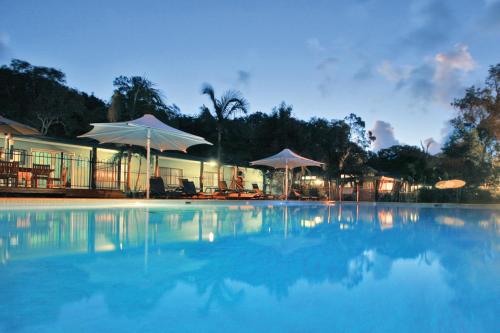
264, 267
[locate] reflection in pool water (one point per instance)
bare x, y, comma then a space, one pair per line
297, 268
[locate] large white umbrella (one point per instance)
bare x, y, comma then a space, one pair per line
286, 159
145, 131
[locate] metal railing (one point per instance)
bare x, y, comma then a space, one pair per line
56, 170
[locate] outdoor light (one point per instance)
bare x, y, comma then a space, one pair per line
212, 163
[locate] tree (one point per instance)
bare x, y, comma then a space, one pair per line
473, 147
139, 96
38, 96
115, 110
224, 107
409, 162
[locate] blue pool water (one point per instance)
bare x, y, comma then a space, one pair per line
265, 267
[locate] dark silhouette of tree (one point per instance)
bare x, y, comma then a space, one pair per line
224, 107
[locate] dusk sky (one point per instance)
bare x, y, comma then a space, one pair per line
398, 64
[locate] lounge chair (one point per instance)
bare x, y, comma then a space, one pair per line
297, 194
157, 188
223, 192
262, 195
189, 191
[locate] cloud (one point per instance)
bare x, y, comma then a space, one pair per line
327, 64
492, 17
432, 146
326, 68
384, 133
434, 24
436, 79
393, 73
365, 72
243, 78
315, 45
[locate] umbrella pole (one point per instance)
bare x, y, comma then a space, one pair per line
286, 182
148, 152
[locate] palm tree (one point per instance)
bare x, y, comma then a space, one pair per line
224, 107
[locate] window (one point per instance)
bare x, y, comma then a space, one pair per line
19, 155
209, 178
170, 176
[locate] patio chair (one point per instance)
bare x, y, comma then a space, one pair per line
9, 171
40, 172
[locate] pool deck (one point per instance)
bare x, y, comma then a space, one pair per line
65, 203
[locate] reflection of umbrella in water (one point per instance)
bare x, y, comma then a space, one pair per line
450, 221
450, 184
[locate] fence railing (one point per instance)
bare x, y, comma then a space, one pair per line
57, 170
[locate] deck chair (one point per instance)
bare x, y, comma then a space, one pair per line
262, 195
157, 188
189, 190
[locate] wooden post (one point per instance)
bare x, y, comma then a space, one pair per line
202, 166
357, 192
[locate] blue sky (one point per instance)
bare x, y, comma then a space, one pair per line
397, 64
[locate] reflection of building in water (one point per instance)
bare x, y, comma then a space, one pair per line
311, 223
45, 233
385, 218
450, 221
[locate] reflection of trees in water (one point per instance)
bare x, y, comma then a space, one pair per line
314, 252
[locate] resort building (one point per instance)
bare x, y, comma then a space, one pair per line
39, 164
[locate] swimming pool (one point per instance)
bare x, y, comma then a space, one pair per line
130, 266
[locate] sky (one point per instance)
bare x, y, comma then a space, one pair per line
397, 64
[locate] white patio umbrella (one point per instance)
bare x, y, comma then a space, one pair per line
286, 159
145, 131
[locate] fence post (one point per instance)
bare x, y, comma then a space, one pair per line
93, 161
61, 168
119, 176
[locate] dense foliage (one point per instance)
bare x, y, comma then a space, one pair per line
39, 96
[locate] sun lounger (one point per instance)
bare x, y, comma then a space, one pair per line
189, 190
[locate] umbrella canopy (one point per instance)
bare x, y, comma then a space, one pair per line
148, 132
286, 159
13, 127
134, 132
448, 184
